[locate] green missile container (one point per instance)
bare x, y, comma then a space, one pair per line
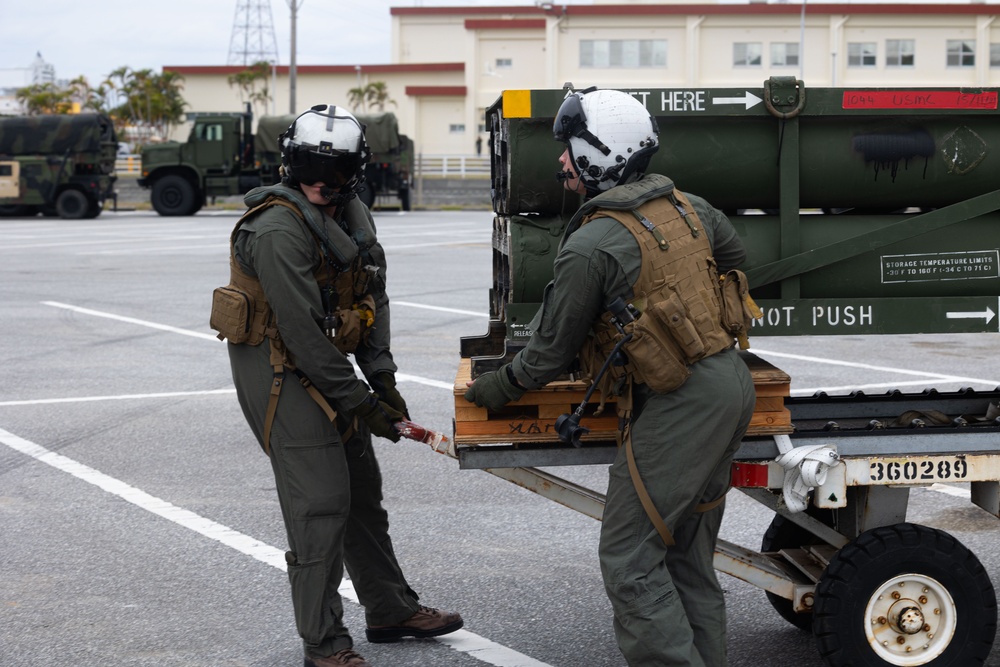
864, 211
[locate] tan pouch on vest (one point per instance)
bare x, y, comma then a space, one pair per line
232, 314
654, 352
738, 308
354, 325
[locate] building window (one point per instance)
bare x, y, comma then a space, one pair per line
899, 53
994, 55
457, 128
861, 54
961, 53
747, 54
784, 54
623, 53
502, 63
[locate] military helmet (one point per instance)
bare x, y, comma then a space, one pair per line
326, 144
610, 136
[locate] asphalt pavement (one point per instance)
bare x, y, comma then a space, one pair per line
139, 518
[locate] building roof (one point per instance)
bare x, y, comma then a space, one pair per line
750, 8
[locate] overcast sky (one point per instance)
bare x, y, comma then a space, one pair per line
94, 37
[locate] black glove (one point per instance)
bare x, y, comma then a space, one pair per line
384, 384
379, 417
494, 389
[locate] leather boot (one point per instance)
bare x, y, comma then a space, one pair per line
343, 658
427, 622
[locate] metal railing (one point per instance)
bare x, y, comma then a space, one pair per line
453, 166
432, 166
128, 164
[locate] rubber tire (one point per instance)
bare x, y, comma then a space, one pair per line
858, 570
94, 208
173, 195
786, 534
72, 204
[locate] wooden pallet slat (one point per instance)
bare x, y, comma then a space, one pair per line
532, 417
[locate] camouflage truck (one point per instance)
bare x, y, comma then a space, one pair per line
58, 165
223, 157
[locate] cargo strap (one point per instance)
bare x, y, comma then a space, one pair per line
647, 502
279, 361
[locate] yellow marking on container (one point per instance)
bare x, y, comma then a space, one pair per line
517, 104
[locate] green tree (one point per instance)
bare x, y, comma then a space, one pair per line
248, 80
91, 99
356, 98
44, 98
149, 103
377, 95
373, 96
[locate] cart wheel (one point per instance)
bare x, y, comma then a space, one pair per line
786, 534
905, 595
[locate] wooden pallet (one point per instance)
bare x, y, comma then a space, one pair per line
532, 418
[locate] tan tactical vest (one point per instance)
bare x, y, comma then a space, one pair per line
354, 309
242, 314
679, 297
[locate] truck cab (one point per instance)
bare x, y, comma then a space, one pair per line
216, 160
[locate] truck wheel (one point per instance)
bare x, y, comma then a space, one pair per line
72, 204
94, 208
786, 534
905, 595
173, 195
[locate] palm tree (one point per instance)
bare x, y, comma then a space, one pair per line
247, 81
377, 95
356, 97
44, 98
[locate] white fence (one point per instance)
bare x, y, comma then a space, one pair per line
430, 166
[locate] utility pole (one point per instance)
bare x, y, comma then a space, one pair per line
294, 6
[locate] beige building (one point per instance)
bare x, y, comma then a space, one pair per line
450, 63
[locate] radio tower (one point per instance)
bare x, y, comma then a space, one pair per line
252, 40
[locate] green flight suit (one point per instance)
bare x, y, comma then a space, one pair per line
668, 606
330, 490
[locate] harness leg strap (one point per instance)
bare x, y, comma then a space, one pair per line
647, 502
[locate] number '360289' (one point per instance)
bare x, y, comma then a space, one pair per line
920, 470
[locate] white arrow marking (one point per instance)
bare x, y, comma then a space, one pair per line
750, 100
986, 314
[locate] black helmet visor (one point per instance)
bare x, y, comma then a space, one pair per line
309, 167
570, 119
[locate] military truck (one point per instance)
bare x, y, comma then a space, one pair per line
864, 211
59, 165
223, 157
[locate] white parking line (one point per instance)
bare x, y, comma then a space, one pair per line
463, 641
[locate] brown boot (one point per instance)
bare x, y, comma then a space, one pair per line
427, 622
344, 658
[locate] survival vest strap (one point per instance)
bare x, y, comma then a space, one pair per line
241, 313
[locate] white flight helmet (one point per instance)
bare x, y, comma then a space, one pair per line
326, 144
610, 136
